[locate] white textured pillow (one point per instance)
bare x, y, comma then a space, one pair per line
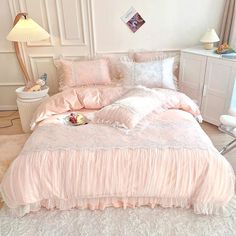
129, 110
151, 74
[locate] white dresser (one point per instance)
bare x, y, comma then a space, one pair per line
208, 79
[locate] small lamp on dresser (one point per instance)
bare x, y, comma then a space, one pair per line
209, 38
35, 91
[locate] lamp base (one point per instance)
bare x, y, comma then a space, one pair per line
208, 46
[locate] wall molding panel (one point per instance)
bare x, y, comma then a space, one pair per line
34, 59
71, 22
44, 63
39, 11
91, 27
14, 8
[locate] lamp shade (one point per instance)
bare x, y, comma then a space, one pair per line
27, 30
210, 37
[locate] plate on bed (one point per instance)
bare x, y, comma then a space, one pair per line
75, 119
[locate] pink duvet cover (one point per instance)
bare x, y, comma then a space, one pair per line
169, 161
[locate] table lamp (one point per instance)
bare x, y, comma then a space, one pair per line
25, 30
209, 38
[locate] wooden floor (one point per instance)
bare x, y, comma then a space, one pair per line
5, 120
218, 138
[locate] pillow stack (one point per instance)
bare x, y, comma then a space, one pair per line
149, 69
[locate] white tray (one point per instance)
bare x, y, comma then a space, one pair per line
31, 95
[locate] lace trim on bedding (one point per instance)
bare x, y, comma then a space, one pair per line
93, 137
124, 148
126, 202
68, 149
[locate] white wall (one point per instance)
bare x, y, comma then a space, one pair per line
80, 28
169, 24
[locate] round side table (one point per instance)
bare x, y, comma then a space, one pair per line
27, 105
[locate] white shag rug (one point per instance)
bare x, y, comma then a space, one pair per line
118, 222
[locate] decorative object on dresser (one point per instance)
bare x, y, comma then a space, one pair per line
209, 38
26, 30
209, 79
224, 49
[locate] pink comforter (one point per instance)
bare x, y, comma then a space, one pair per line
170, 162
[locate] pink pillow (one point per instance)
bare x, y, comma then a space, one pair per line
74, 99
79, 73
130, 109
115, 61
57, 104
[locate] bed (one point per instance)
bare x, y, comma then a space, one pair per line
167, 160
141, 147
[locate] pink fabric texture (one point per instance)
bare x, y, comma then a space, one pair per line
138, 102
97, 97
171, 163
78, 73
175, 100
114, 64
74, 99
130, 109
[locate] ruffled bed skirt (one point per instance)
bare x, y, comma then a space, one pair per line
132, 202
96, 179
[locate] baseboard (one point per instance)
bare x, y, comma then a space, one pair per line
8, 107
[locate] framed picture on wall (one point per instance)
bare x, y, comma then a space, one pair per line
133, 19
